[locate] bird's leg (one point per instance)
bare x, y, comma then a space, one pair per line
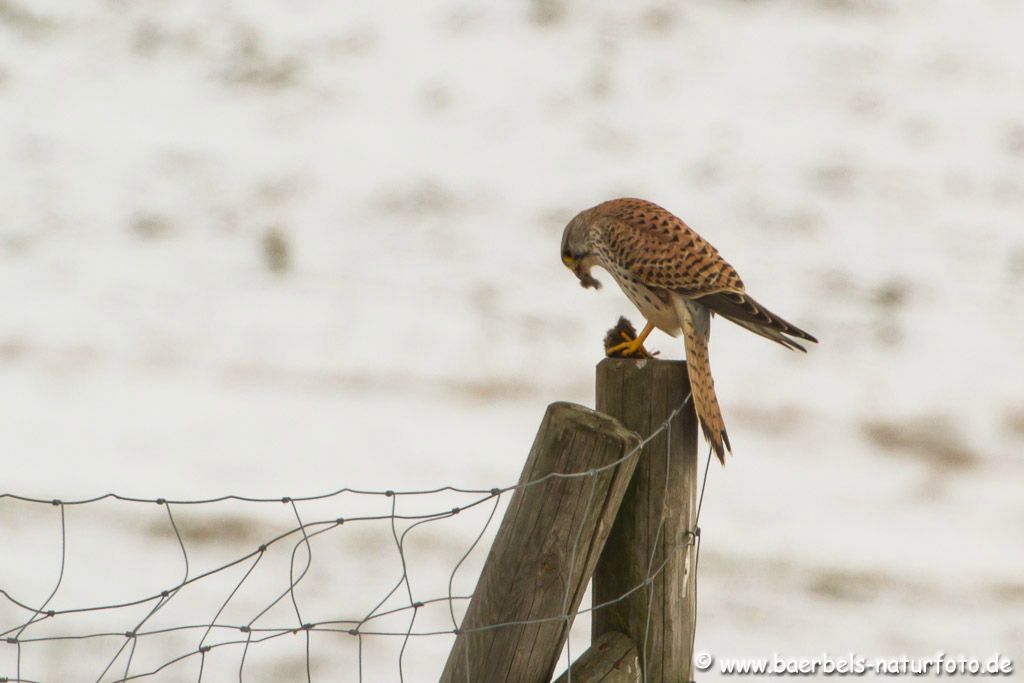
631, 346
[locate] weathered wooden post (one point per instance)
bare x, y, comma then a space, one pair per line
612, 658
653, 533
546, 549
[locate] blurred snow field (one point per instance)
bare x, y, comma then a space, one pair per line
279, 249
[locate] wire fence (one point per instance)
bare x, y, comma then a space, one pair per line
183, 648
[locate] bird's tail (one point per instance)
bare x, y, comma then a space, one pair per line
696, 330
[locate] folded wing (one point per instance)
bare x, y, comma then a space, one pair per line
743, 310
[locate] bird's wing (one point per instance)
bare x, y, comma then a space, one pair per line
743, 310
662, 251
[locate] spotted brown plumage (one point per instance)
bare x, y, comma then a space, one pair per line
677, 280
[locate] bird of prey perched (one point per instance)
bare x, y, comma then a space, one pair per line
678, 281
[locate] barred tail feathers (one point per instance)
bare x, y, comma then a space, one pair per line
696, 321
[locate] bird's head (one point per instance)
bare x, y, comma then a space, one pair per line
577, 252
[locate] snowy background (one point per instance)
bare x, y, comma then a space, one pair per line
279, 248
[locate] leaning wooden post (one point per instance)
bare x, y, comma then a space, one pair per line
546, 549
612, 658
653, 533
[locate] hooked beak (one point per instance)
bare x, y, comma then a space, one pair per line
581, 271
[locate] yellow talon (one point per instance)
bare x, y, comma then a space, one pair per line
627, 348
630, 346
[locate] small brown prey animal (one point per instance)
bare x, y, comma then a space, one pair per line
678, 281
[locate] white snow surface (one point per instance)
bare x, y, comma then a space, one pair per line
860, 162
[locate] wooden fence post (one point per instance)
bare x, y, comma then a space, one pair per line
653, 533
612, 658
545, 551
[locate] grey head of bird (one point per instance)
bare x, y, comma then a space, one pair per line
578, 254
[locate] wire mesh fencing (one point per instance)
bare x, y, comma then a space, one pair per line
363, 585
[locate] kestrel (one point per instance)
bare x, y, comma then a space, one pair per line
678, 281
